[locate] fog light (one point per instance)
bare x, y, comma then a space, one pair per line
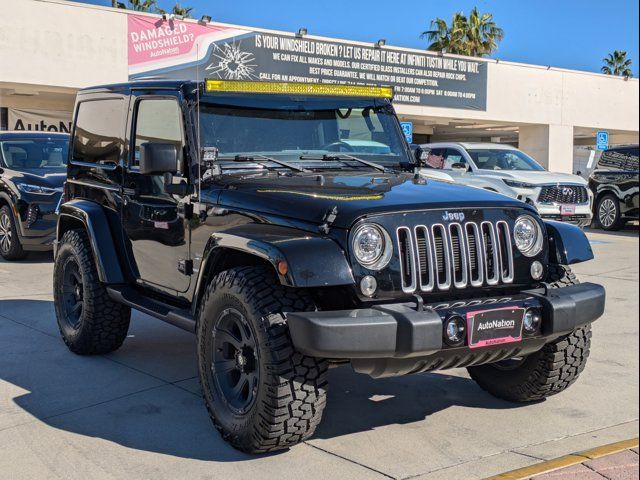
537, 270
455, 329
532, 320
368, 286
32, 215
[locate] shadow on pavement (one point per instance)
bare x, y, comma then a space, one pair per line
33, 258
108, 398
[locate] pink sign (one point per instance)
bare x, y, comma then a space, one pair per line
154, 42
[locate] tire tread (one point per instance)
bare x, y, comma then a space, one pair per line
105, 323
295, 397
547, 372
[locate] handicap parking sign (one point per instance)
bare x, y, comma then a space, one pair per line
407, 129
602, 140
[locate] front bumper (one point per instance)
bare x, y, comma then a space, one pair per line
411, 335
37, 220
582, 217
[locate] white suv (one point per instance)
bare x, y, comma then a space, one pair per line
507, 170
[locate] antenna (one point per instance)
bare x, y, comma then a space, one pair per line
198, 123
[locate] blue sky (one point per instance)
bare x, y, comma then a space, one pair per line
573, 34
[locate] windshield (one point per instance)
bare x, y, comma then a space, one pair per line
31, 154
370, 133
501, 159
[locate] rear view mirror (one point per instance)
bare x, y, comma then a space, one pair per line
158, 158
460, 166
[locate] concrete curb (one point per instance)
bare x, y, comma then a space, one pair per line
567, 461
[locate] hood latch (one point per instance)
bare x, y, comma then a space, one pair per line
328, 220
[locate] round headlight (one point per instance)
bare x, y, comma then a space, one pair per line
528, 236
372, 246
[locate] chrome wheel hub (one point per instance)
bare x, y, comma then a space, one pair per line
607, 213
5, 232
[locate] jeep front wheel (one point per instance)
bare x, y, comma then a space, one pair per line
546, 372
262, 395
89, 321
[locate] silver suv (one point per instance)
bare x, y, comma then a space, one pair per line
507, 170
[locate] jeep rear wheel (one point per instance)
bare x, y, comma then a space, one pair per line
262, 395
546, 372
89, 321
10, 247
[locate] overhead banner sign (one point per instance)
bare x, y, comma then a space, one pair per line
39, 120
188, 50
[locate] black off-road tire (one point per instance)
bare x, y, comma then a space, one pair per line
11, 248
102, 324
547, 372
290, 392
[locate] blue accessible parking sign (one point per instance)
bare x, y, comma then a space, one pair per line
602, 140
407, 129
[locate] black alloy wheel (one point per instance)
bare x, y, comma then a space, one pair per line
89, 320
72, 293
234, 362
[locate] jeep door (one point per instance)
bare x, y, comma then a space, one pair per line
154, 220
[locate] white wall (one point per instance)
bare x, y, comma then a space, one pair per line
62, 43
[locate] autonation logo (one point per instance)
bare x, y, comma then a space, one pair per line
497, 325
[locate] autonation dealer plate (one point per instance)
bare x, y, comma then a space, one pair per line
495, 327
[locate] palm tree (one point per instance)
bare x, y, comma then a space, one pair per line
483, 35
182, 11
444, 38
136, 5
617, 63
477, 36
177, 10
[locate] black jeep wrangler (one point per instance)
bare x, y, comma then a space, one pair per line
283, 224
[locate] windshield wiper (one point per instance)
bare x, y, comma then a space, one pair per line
252, 158
343, 156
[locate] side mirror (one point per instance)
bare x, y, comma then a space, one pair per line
158, 158
460, 166
421, 156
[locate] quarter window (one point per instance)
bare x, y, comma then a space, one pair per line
98, 133
158, 121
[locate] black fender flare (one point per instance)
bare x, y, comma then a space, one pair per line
568, 244
92, 216
312, 260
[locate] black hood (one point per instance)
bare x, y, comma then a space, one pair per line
310, 197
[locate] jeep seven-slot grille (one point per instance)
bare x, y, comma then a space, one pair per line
457, 255
569, 194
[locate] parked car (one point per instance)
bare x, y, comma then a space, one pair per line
614, 184
507, 170
32, 175
289, 256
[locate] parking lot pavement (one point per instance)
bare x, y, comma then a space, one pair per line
138, 413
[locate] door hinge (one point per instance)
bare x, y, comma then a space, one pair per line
185, 267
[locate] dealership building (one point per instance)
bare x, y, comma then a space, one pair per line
51, 48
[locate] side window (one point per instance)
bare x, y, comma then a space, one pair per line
98, 132
451, 157
159, 121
